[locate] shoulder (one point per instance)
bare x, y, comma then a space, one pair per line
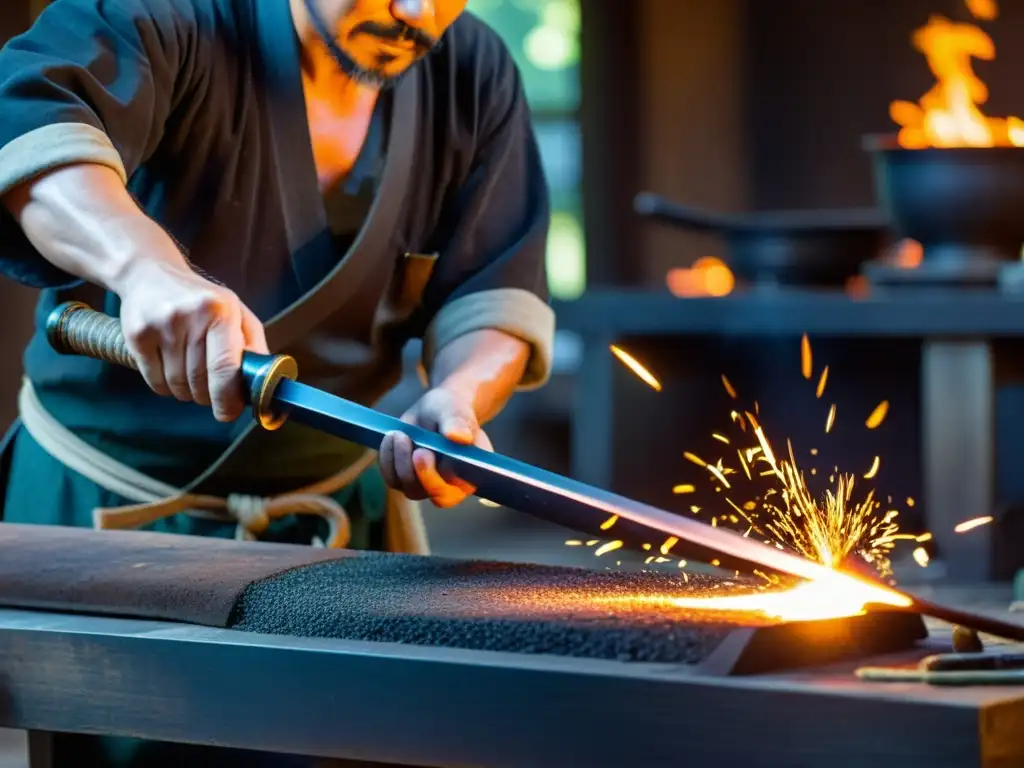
476, 68
478, 47
128, 15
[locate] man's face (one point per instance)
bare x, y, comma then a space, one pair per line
383, 38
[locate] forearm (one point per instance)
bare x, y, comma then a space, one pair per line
486, 366
82, 220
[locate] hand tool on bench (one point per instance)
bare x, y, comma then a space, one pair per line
274, 396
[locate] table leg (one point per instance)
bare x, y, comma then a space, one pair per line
40, 749
958, 438
592, 438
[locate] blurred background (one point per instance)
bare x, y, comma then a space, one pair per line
745, 108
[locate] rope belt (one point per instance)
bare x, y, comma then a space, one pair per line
251, 514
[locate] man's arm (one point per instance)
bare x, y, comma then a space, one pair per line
484, 367
490, 329
84, 97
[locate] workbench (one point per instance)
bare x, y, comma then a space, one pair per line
423, 706
960, 333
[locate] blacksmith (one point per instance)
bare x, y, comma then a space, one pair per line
326, 178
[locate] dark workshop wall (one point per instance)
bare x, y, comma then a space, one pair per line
17, 302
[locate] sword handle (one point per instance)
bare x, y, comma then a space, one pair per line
74, 328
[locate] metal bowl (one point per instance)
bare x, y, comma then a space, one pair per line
963, 205
806, 249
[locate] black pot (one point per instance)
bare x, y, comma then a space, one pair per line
965, 206
807, 249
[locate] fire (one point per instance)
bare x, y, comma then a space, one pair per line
949, 115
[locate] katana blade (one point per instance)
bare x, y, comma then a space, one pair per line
546, 495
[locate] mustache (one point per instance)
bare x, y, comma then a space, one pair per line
397, 32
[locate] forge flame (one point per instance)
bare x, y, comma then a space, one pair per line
949, 115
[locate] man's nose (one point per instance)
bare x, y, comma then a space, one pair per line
411, 12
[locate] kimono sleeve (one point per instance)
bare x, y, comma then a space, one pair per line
490, 272
92, 81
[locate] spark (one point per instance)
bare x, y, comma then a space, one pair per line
604, 549
670, 542
921, 556
970, 525
910, 501
684, 488
636, 367
728, 387
695, 459
821, 383
609, 522
806, 359
845, 521
488, 503
874, 468
574, 543
878, 415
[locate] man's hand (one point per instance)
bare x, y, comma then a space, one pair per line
415, 471
188, 335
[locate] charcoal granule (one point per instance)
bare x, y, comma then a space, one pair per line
488, 606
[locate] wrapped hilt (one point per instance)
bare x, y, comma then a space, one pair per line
74, 328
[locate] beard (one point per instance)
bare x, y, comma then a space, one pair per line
377, 76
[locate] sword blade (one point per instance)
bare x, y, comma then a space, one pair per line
546, 495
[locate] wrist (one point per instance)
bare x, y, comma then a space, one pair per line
460, 385
137, 268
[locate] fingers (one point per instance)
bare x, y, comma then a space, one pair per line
225, 344
173, 350
396, 465
198, 379
146, 350
253, 333
416, 471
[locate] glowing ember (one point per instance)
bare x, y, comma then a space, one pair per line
636, 367
806, 359
611, 546
878, 415
949, 115
707, 277
921, 557
821, 383
970, 525
874, 469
